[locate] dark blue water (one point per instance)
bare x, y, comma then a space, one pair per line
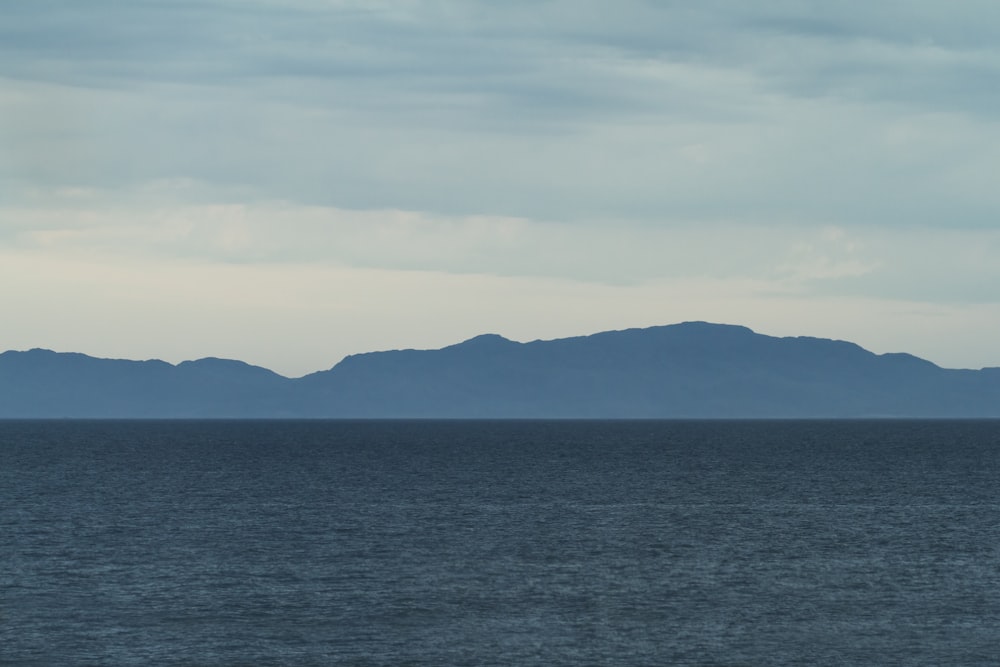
499, 543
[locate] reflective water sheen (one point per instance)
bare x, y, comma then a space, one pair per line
499, 543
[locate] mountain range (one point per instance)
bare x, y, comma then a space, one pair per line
688, 370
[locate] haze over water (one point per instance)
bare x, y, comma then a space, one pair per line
499, 543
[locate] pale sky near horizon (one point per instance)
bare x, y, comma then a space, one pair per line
288, 182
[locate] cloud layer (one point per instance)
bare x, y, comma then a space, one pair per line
778, 152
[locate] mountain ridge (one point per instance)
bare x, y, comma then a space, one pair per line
685, 370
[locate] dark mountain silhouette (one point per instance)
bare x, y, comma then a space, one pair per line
42, 383
690, 370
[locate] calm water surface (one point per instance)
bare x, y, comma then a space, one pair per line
499, 543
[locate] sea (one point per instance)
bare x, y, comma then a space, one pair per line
499, 543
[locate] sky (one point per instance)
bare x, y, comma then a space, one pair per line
291, 181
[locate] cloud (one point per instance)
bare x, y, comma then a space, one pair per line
645, 113
757, 154
813, 163
555, 110
555, 57
925, 264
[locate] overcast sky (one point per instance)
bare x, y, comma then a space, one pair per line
291, 181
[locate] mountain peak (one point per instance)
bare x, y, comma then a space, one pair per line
700, 326
484, 340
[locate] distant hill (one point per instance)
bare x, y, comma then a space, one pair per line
689, 370
42, 383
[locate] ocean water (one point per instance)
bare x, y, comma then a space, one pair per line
500, 543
